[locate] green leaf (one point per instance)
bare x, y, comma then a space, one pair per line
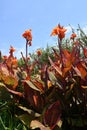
26, 119
54, 80
11, 81
2, 84
4, 94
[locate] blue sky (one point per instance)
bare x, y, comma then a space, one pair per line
41, 16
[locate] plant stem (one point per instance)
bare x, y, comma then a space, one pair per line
60, 50
26, 49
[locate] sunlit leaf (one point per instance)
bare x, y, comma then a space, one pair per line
49, 84
2, 84
59, 123
82, 70
10, 90
11, 81
55, 67
4, 70
36, 124
66, 70
66, 53
30, 84
38, 84
85, 87
14, 92
54, 80
77, 71
29, 111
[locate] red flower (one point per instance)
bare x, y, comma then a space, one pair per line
14, 61
73, 36
60, 31
12, 49
39, 52
27, 35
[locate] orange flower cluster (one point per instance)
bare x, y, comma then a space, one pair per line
10, 60
60, 31
14, 61
27, 35
73, 36
12, 49
39, 52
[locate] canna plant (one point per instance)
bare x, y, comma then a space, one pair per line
58, 93
54, 98
71, 81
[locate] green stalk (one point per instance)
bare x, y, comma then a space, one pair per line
5, 128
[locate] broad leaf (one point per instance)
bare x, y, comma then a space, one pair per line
82, 70
36, 124
26, 119
66, 71
85, 52
33, 97
85, 87
55, 67
14, 92
29, 111
11, 81
52, 115
2, 84
54, 80
38, 84
31, 85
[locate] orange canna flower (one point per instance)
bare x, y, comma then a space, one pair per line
39, 52
27, 35
14, 61
73, 36
60, 31
12, 49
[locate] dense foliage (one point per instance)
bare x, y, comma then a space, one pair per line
46, 90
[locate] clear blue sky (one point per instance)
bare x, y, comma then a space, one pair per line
41, 16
